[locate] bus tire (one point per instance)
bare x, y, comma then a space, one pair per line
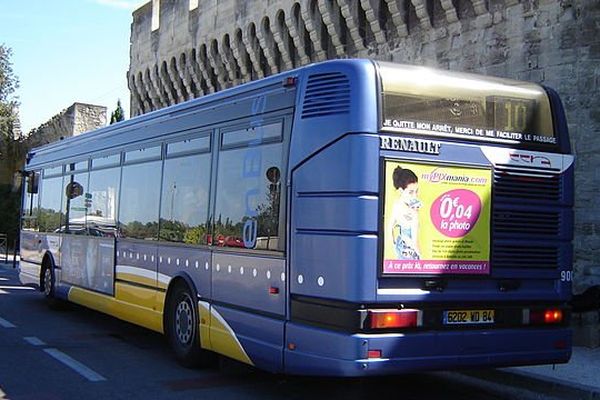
48, 280
48, 286
182, 329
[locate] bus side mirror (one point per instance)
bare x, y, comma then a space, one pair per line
73, 190
33, 182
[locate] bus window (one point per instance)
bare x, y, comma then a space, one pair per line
107, 161
78, 166
253, 135
247, 203
50, 208
75, 203
30, 201
148, 153
184, 205
102, 202
195, 145
140, 195
53, 171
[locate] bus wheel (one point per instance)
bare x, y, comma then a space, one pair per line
49, 281
182, 329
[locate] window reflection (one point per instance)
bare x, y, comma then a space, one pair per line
75, 203
102, 202
30, 202
50, 209
140, 195
247, 202
184, 205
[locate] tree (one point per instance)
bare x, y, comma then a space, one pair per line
8, 103
10, 149
118, 115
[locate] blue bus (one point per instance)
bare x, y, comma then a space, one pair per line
346, 218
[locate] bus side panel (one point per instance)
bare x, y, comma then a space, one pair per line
256, 283
260, 338
195, 263
31, 258
338, 211
354, 109
136, 264
88, 262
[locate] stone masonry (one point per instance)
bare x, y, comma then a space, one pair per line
72, 121
181, 49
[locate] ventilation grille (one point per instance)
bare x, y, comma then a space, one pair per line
526, 222
519, 257
527, 184
326, 94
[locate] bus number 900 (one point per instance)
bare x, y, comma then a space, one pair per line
566, 276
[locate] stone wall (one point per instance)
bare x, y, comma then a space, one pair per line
72, 121
185, 49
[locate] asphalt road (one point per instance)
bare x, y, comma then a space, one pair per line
71, 352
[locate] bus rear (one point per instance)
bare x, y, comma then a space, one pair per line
430, 222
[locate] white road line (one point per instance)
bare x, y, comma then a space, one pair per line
17, 287
34, 341
6, 324
75, 365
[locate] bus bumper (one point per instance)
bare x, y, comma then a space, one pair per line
321, 352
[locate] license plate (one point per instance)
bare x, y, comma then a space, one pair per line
460, 317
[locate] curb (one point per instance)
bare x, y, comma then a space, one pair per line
537, 383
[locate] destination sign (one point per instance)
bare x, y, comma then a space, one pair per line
448, 104
446, 129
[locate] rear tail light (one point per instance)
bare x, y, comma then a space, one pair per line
374, 354
389, 319
547, 316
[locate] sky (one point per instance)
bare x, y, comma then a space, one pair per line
67, 51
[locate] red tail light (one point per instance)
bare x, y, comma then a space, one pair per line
386, 319
374, 354
553, 316
543, 317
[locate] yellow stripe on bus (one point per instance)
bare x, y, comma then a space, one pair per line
204, 313
121, 307
223, 339
145, 307
142, 280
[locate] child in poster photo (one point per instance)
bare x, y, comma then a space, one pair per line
404, 222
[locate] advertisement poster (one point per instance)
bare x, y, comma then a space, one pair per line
436, 219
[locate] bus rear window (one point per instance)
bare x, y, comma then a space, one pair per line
443, 103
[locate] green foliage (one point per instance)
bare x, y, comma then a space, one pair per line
10, 151
49, 220
139, 230
9, 212
118, 115
8, 103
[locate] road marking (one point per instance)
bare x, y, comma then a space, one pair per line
6, 324
34, 341
75, 365
17, 288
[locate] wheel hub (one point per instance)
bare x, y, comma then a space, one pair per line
184, 322
47, 281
